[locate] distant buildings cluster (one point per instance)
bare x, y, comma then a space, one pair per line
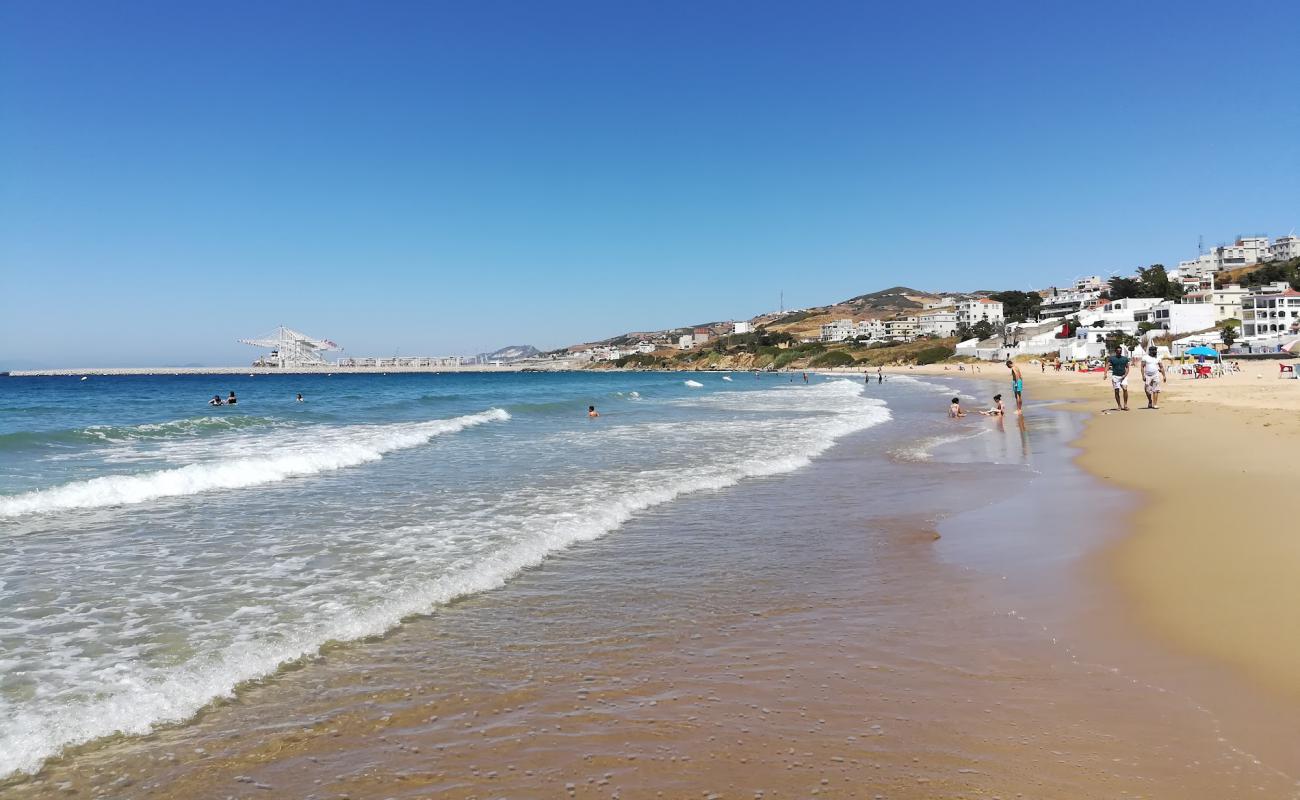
1245, 251
941, 318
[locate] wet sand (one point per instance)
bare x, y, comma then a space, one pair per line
876, 625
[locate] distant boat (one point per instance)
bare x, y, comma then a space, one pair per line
83, 377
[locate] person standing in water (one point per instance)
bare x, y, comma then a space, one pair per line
216, 400
231, 400
1017, 384
591, 412
805, 377
880, 374
300, 397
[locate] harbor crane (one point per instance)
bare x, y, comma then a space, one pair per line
290, 348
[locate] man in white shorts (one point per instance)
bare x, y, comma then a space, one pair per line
1153, 374
1117, 368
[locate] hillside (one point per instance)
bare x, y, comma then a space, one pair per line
801, 324
884, 304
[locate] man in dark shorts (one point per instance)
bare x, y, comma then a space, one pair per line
1117, 370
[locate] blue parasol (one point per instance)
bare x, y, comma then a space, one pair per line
1202, 351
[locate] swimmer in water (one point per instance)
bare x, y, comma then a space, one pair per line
216, 400
231, 400
591, 412
300, 400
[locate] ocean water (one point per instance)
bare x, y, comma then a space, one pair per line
158, 552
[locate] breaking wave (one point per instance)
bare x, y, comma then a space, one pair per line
329, 450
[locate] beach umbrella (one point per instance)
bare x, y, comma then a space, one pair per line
1202, 351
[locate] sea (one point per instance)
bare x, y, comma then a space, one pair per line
167, 562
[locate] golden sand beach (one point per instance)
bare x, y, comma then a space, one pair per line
1214, 552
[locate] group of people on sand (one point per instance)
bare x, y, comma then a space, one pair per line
1118, 366
997, 409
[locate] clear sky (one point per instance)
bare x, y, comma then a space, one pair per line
448, 177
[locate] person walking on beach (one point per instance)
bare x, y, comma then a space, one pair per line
1017, 384
1118, 372
1153, 373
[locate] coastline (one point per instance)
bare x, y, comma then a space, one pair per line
1208, 560
845, 630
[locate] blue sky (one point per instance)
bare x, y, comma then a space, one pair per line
435, 177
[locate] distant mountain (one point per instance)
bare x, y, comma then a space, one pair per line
514, 352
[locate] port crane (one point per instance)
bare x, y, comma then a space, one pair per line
290, 348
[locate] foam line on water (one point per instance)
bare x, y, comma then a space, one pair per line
336, 449
139, 698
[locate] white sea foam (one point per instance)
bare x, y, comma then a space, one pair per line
694, 384
282, 595
920, 383
326, 450
923, 449
726, 377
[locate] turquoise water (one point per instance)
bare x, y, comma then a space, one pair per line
160, 551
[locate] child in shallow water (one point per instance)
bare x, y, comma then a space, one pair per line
996, 410
954, 410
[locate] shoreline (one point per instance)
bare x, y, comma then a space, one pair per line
582, 674
1208, 558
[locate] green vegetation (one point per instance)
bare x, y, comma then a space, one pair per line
1151, 281
835, 358
1273, 271
638, 360
1117, 339
933, 355
1228, 331
1018, 306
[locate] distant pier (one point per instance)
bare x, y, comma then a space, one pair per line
545, 366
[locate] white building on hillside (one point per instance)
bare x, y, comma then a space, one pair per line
1177, 318
873, 329
1117, 316
1285, 248
939, 322
1270, 311
741, 327
1225, 299
902, 329
970, 312
1246, 250
1089, 283
1243, 252
838, 331
1061, 304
